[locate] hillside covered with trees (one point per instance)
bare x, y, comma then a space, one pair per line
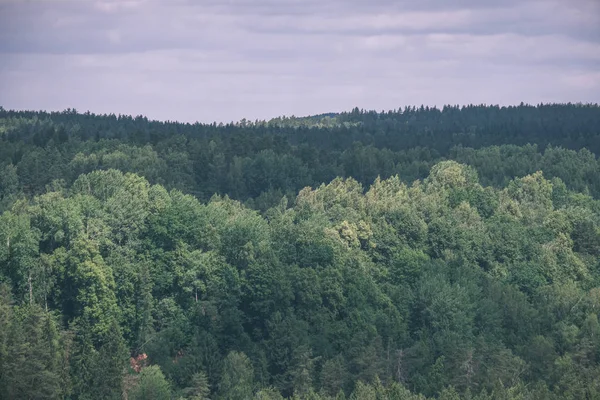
419, 253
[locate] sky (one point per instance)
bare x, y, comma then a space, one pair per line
224, 60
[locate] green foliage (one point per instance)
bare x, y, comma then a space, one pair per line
33, 354
480, 280
237, 380
199, 389
152, 385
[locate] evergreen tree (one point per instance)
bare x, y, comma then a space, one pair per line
152, 385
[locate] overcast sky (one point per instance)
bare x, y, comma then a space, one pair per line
223, 60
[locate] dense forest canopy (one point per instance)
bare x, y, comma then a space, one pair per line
259, 162
420, 253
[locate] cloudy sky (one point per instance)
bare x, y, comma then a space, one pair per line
223, 60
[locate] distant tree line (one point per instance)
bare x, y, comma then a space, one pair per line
259, 162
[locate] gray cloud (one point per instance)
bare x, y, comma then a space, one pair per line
224, 60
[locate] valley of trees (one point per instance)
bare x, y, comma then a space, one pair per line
414, 254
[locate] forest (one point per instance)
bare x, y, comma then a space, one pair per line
420, 253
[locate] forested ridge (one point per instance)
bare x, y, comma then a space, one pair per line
259, 162
420, 253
